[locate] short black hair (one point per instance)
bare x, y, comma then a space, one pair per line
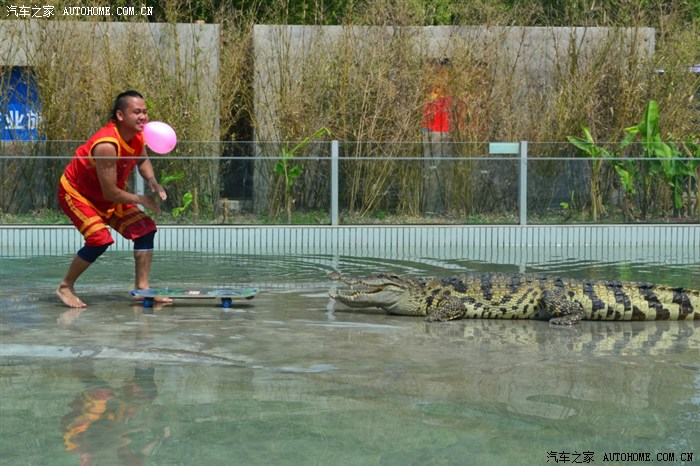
120, 102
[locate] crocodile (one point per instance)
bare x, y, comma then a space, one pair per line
561, 301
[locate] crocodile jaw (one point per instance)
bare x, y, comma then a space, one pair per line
377, 280
384, 297
390, 292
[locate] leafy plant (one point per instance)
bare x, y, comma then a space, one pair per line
692, 148
566, 205
187, 198
598, 154
665, 158
289, 172
166, 179
186, 201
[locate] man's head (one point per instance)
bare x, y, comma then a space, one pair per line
129, 112
122, 102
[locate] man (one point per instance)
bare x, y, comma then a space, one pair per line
437, 122
92, 194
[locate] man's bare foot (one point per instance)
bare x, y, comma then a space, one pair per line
158, 299
68, 296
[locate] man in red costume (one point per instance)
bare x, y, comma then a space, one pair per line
437, 124
92, 194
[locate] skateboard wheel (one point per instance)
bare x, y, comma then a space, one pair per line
226, 302
147, 302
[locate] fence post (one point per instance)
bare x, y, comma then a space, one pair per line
334, 182
520, 149
522, 198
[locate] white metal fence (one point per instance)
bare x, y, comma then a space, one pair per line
497, 244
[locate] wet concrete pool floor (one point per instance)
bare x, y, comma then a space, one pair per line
291, 378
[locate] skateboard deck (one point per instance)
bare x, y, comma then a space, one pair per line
226, 296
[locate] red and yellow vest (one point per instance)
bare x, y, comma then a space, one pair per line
80, 176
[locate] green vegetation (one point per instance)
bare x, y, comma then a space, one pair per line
675, 163
288, 173
369, 91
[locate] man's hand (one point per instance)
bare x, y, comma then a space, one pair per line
150, 203
155, 187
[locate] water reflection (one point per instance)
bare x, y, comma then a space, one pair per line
311, 385
589, 338
112, 424
291, 378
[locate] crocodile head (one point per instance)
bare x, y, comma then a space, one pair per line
392, 293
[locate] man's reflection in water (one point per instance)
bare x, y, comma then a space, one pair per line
106, 425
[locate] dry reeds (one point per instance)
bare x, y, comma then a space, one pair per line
369, 88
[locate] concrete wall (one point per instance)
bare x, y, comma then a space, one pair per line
282, 51
186, 53
191, 50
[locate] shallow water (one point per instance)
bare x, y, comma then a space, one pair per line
291, 378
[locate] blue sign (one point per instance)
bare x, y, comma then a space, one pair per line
20, 110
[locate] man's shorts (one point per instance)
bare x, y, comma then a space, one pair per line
127, 219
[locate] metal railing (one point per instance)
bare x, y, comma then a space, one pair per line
511, 180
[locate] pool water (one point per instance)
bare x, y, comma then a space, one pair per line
292, 378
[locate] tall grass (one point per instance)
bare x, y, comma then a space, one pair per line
81, 68
369, 89
370, 86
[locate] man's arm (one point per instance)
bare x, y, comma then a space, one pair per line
146, 171
105, 155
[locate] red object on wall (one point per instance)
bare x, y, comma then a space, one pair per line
437, 115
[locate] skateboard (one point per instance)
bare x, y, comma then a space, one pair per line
226, 296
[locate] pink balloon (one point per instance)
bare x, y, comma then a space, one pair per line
160, 137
